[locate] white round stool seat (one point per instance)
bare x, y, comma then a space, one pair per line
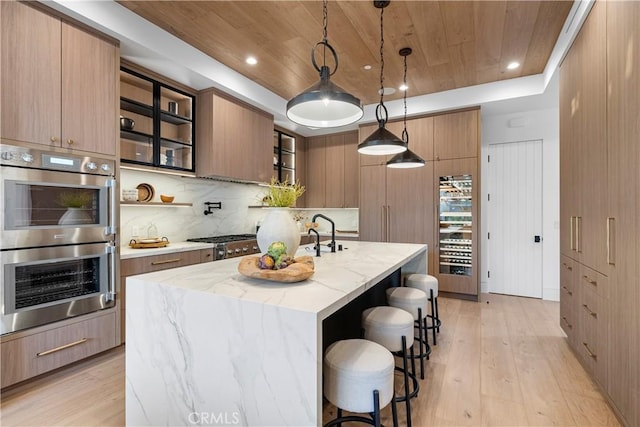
353, 369
386, 325
408, 299
424, 282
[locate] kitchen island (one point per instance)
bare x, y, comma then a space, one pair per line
208, 346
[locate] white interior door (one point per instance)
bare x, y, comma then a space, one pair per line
515, 218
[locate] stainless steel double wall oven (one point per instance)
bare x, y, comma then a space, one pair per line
58, 233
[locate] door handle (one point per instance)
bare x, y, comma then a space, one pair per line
571, 233
578, 230
537, 239
610, 224
388, 223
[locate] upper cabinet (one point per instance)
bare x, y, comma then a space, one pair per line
456, 135
235, 139
284, 156
58, 82
156, 123
332, 171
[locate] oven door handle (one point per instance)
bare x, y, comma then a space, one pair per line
111, 189
111, 292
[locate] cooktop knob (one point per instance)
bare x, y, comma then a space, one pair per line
91, 166
105, 167
26, 157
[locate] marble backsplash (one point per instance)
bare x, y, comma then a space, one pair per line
180, 223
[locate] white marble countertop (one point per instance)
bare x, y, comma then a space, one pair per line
127, 252
339, 277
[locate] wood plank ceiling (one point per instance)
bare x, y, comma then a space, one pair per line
455, 43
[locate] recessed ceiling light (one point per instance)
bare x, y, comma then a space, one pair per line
251, 60
403, 87
513, 65
367, 67
387, 91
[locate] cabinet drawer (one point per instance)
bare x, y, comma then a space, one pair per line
594, 335
148, 264
593, 280
36, 354
206, 255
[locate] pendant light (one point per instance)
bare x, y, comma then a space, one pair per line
382, 142
406, 159
325, 104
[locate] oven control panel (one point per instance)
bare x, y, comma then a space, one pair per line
11, 155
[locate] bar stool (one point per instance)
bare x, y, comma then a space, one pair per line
429, 285
413, 301
392, 328
358, 377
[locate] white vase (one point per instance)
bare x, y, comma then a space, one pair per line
74, 216
279, 226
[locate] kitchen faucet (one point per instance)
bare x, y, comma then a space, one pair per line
332, 245
317, 240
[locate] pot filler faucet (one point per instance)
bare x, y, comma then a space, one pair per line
312, 230
332, 245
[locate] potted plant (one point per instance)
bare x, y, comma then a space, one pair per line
278, 225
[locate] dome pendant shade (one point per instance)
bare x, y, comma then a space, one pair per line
382, 143
405, 160
324, 105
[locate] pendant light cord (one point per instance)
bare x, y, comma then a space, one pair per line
381, 54
404, 98
324, 31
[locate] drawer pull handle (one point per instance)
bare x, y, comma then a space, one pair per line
586, 307
166, 261
62, 347
591, 354
568, 291
567, 322
590, 280
567, 266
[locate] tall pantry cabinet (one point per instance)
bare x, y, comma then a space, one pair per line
599, 164
436, 204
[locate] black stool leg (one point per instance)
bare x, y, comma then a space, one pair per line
394, 410
420, 336
406, 380
437, 315
426, 332
339, 415
376, 408
433, 316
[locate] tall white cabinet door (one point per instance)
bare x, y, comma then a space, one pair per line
515, 218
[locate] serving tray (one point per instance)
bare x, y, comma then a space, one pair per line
300, 270
159, 242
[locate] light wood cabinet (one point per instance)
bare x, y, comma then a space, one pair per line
332, 171
599, 165
401, 205
397, 205
148, 264
456, 135
569, 298
235, 140
584, 145
59, 82
25, 356
623, 109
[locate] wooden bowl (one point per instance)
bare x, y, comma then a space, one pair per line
166, 199
300, 270
145, 192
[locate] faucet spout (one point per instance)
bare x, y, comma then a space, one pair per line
317, 240
333, 230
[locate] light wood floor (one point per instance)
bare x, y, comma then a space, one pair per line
501, 362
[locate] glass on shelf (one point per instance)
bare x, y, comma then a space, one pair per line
455, 223
175, 105
175, 155
288, 143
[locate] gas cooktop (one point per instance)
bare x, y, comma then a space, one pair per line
224, 239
